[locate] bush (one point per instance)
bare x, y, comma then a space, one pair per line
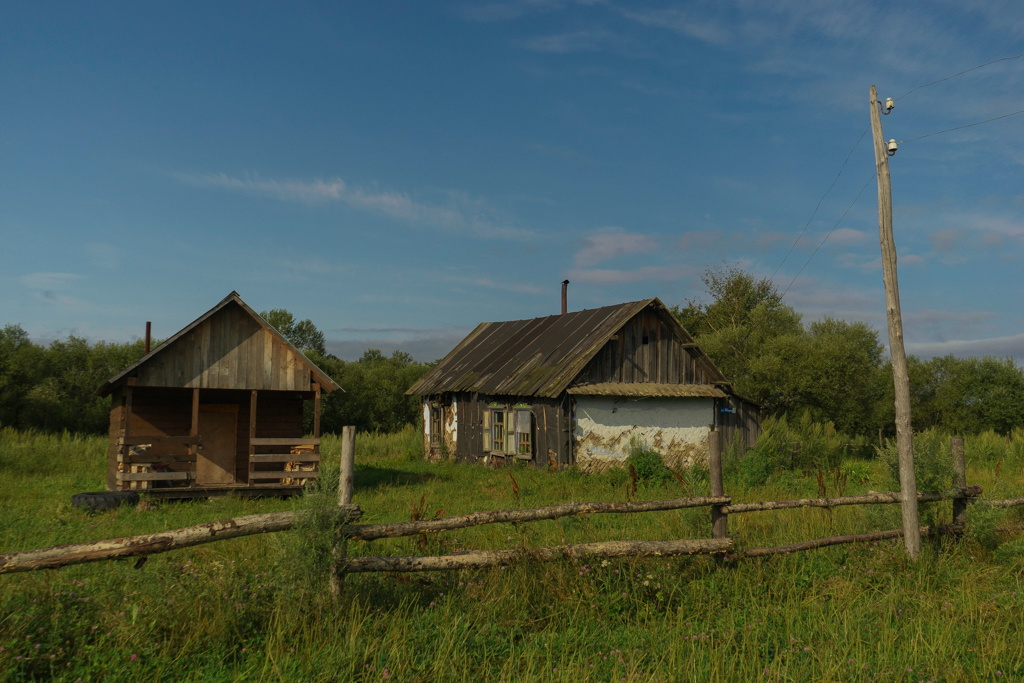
982, 522
647, 462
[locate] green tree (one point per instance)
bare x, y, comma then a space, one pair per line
829, 369
303, 334
21, 368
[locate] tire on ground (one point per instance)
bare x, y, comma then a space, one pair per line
104, 500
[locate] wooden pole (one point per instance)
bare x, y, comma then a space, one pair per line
348, 454
136, 546
193, 431
901, 378
959, 478
346, 468
477, 559
251, 466
719, 519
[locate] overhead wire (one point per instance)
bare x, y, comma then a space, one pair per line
967, 125
818, 206
960, 73
848, 209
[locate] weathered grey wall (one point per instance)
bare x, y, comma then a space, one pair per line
675, 427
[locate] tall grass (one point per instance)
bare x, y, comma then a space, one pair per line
256, 608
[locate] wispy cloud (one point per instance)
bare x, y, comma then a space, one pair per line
591, 40
682, 22
846, 236
598, 276
463, 215
49, 281
612, 242
1012, 345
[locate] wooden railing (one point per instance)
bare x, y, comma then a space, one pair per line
720, 543
300, 464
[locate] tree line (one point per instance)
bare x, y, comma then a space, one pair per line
834, 370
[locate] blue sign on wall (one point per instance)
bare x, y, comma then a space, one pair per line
727, 410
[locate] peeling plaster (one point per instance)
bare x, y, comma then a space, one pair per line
675, 427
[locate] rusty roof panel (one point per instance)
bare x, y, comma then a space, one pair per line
647, 389
536, 357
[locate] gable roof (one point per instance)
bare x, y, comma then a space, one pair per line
326, 383
540, 356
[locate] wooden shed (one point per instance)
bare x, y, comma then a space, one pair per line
217, 407
576, 388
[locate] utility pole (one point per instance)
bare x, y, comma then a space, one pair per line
901, 378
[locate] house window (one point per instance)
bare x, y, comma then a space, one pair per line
498, 430
435, 424
524, 432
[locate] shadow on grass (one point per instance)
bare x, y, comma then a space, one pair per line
368, 476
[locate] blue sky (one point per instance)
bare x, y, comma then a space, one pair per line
400, 171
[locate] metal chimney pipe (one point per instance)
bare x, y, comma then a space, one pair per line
565, 295
148, 329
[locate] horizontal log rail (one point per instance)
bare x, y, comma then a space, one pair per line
144, 458
284, 441
155, 476
142, 546
840, 540
885, 498
491, 558
369, 532
283, 475
1004, 503
285, 457
159, 440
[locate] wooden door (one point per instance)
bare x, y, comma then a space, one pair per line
215, 463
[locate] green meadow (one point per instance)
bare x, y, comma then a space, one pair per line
258, 608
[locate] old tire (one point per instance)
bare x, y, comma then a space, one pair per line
104, 500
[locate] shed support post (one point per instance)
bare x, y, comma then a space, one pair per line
959, 479
252, 434
193, 431
346, 470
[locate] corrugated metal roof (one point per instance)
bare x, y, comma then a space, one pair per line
647, 389
536, 357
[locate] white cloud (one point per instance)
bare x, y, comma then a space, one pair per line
49, 281
596, 276
612, 242
994, 346
681, 22
847, 236
463, 215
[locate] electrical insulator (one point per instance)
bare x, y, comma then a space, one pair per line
891, 149
889, 104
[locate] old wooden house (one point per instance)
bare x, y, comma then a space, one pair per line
217, 407
576, 388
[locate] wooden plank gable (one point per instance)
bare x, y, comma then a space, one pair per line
228, 350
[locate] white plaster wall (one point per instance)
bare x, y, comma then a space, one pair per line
675, 427
451, 425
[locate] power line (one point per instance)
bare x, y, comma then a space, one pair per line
830, 233
967, 125
834, 181
961, 73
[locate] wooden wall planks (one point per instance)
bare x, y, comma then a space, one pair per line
229, 350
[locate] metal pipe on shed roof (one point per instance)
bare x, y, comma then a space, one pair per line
565, 297
149, 327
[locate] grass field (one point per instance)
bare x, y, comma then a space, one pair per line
257, 608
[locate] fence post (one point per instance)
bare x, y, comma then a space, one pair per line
719, 520
346, 469
959, 478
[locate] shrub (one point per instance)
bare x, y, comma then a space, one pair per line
982, 522
646, 461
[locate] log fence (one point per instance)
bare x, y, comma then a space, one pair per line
720, 544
